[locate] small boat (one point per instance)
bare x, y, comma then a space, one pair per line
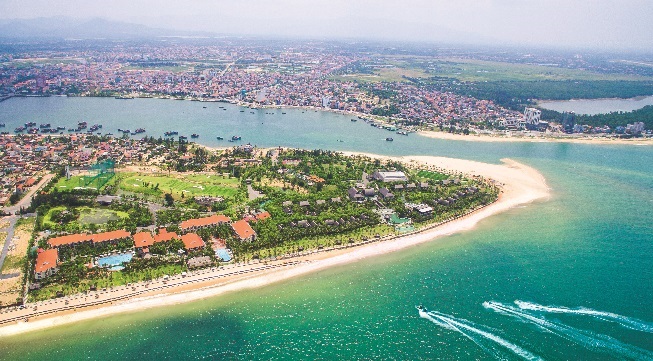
242, 111
44, 125
61, 128
204, 107
4, 133
219, 138
236, 137
421, 309
2, 125
124, 97
401, 132
194, 135
126, 131
389, 139
283, 113
30, 124
170, 133
183, 137
139, 130
19, 129
354, 119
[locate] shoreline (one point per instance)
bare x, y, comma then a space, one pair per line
520, 184
534, 139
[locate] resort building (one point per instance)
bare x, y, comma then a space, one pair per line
244, 231
192, 241
143, 239
46, 264
70, 239
197, 223
165, 236
390, 176
112, 236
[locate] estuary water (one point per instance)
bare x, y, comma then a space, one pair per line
597, 106
570, 278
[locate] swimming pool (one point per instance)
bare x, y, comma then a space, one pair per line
223, 255
115, 261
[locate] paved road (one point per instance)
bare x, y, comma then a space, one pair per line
10, 235
27, 199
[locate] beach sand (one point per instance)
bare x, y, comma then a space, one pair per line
520, 185
534, 139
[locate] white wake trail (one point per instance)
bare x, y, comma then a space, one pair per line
593, 341
628, 322
477, 335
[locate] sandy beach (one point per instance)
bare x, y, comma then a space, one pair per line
520, 185
535, 139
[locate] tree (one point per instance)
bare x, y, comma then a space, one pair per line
169, 201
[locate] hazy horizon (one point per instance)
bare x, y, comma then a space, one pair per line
597, 24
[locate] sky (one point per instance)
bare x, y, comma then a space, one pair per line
603, 24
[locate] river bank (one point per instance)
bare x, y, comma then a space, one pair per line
520, 185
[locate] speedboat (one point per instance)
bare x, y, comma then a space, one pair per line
421, 309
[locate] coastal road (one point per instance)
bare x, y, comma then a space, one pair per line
10, 234
27, 199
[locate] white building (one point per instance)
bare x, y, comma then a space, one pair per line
390, 176
532, 116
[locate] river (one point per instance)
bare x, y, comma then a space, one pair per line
588, 246
597, 106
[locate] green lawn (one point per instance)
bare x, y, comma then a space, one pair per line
432, 175
64, 184
99, 215
188, 184
87, 215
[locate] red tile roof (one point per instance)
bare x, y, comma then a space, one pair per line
243, 229
69, 239
46, 260
263, 216
204, 222
143, 239
165, 236
192, 241
110, 236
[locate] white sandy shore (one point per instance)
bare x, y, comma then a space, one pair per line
535, 139
521, 184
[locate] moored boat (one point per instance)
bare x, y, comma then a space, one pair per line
389, 139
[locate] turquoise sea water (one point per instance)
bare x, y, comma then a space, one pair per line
590, 245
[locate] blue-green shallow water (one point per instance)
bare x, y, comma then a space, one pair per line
590, 245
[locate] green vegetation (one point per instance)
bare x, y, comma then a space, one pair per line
179, 185
613, 120
430, 175
69, 185
83, 215
518, 94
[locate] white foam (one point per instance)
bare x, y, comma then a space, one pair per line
477, 335
588, 339
624, 321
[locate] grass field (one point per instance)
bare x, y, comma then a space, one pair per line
476, 71
99, 215
432, 175
87, 215
188, 184
64, 184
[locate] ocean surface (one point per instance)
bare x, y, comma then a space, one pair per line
597, 106
570, 278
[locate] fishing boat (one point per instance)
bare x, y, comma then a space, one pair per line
44, 125
194, 135
354, 119
183, 137
219, 138
2, 125
124, 97
389, 139
19, 129
236, 137
139, 130
30, 124
401, 132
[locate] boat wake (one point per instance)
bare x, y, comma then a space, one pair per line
486, 340
628, 322
594, 341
